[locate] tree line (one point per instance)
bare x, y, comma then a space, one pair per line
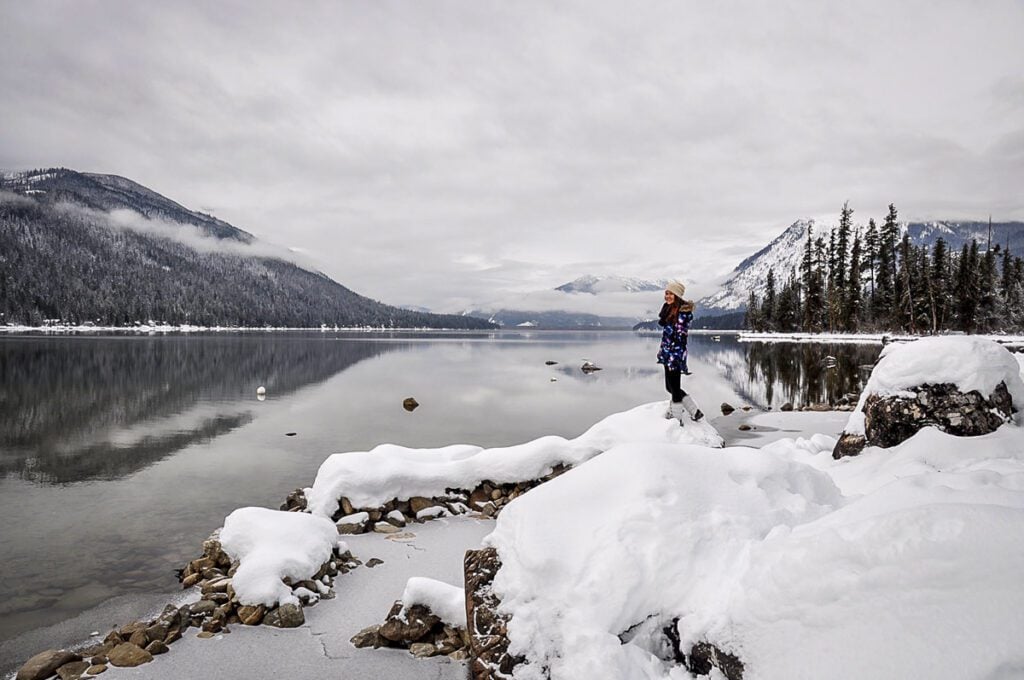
69, 267
873, 279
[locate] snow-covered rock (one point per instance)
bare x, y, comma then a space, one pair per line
963, 385
369, 479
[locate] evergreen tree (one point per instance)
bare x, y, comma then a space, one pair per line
940, 284
988, 306
768, 307
966, 296
853, 297
871, 256
905, 312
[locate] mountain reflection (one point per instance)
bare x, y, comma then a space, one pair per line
80, 408
771, 374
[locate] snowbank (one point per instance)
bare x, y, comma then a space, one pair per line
445, 601
895, 564
271, 545
371, 478
970, 363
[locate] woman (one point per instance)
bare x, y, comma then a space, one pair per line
675, 317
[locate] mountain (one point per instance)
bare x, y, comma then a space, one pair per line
595, 285
86, 248
586, 302
785, 251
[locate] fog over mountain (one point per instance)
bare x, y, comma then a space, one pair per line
82, 248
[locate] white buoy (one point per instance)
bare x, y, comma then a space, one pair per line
261, 390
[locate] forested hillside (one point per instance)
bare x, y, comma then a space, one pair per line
874, 279
78, 248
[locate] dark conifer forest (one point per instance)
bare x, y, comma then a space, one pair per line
875, 279
63, 259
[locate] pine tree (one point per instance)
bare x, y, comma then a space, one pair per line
768, 307
967, 288
871, 256
940, 283
887, 268
853, 298
905, 312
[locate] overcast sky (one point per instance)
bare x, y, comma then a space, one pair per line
440, 153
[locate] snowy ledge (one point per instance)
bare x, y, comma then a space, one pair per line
370, 480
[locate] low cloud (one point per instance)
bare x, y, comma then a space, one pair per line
187, 235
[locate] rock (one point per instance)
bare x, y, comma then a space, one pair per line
409, 625
368, 637
745, 408
285, 616
727, 408
589, 367
422, 650
139, 638
703, 656
891, 420
410, 404
205, 635
744, 427
818, 407
99, 659
459, 655
385, 528
290, 434
45, 664
346, 506
417, 503
157, 647
251, 615
788, 406
97, 669
373, 562
550, 363
201, 608
487, 632
73, 670
128, 655
157, 631
397, 518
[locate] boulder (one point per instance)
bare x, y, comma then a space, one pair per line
422, 650
727, 408
45, 664
129, 655
788, 406
408, 626
891, 420
417, 503
285, 616
252, 615
97, 669
410, 404
73, 670
368, 637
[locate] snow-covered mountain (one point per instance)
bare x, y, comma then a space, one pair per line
611, 284
781, 255
785, 251
589, 301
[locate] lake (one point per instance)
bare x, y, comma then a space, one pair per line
119, 454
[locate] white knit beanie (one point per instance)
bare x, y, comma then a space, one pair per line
677, 288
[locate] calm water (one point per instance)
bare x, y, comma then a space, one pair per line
120, 454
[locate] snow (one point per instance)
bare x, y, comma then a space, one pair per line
445, 601
371, 478
902, 562
969, 362
271, 545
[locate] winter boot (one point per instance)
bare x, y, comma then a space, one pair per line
676, 409
691, 407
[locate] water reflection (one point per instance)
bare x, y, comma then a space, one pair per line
74, 409
768, 375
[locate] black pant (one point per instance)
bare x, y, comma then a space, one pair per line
672, 385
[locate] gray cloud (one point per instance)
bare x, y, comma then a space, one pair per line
437, 153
